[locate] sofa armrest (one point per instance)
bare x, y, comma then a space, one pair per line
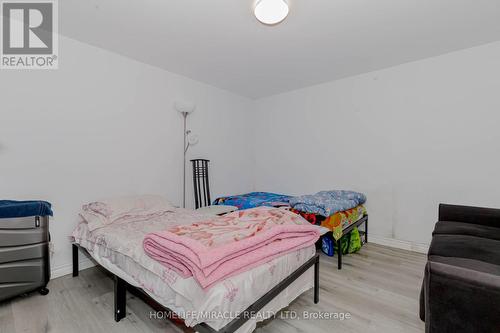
475, 215
454, 299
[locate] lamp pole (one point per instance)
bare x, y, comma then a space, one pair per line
184, 108
184, 148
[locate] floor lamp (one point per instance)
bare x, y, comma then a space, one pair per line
186, 108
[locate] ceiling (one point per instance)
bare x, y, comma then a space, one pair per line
221, 43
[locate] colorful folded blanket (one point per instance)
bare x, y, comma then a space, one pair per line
13, 209
223, 246
336, 222
327, 203
254, 199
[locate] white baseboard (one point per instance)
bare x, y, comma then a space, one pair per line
68, 268
399, 244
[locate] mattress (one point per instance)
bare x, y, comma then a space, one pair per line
118, 248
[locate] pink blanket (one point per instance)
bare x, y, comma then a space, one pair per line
213, 250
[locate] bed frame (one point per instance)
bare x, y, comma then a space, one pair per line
121, 287
347, 231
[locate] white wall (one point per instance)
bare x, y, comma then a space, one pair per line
409, 137
103, 125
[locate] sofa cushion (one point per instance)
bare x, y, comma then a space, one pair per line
470, 265
467, 247
460, 228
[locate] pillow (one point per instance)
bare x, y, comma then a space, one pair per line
217, 209
105, 212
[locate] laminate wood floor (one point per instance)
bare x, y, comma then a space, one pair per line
378, 287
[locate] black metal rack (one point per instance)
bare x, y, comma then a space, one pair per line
347, 231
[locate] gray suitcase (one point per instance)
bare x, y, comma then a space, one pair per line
24, 255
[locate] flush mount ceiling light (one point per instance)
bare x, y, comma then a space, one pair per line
271, 12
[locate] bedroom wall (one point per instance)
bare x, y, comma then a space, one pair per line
409, 137
104, 125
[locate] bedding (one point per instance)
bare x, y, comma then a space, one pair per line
15, 209
254, 199
336, 222
327, 203
122, 209
119, 248
223, 246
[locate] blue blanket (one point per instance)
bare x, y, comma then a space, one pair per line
12, 209
254, 199
327, 203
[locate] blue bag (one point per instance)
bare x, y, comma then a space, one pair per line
327, 245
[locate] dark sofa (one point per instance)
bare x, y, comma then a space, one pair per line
461, 287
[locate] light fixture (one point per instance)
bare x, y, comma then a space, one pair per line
185, 108
271, 12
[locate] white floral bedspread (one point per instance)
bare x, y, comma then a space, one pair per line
118, 247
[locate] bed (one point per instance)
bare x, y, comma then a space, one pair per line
264, 289
337, 211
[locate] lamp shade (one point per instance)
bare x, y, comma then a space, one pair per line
185, 106
271, 12
193, 139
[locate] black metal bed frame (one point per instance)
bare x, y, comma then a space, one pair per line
121, 287
347, 231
